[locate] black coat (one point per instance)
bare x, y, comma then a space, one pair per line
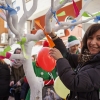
4, 79
85, 84
24, 90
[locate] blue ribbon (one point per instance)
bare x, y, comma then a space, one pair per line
54, 15
72, 27
11, 11
97, 19
18, 8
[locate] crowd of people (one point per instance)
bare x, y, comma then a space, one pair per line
79, 70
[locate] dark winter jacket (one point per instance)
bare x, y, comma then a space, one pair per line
17, 74
4, 79
85, 84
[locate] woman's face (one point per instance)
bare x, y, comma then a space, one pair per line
18, 51
93, 43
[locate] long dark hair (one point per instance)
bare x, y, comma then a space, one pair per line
90, 31
16, 50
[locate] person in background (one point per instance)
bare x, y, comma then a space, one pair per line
17, 73
73, 45
48, 78
84, 83
4, 80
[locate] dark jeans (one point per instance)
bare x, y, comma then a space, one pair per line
4, 98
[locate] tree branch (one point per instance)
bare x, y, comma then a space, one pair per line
17, 56
35, 37
27, 14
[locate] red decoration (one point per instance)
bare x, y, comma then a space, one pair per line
44, 60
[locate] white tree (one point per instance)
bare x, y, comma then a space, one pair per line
17, 28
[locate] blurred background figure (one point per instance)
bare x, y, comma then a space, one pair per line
73, 45
17, 73
4, 80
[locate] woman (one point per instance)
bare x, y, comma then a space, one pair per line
4, 80
84, 82
17, 73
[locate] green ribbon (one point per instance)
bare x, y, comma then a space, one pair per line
85, 14
61, 1
3, 53
21, 43
61, 14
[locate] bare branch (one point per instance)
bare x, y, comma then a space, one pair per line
24, 6
27, 14
12, 28
66, 25
49, 15
17, 56
10, 37
35, 37
9, 2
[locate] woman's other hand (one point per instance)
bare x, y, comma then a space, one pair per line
18, 83
55, 53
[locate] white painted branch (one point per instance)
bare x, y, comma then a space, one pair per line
24, 7
35, 37
27, 14
9, 2
50, 14
72, 24
17, 56
14, 17
10, 37
52, 4
12, 28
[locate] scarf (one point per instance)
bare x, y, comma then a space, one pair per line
86, 56
16, 63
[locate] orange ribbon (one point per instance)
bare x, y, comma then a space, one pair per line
51, 43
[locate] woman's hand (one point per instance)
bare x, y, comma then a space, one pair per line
55, 53
18, 83
52, 34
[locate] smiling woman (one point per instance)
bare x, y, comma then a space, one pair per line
82, 81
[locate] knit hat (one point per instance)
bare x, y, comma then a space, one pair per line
72, 40
45, 43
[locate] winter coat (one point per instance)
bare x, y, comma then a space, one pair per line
17, 74
4, 79
83, 85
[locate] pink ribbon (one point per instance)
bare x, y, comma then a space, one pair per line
7, 56
76, 10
